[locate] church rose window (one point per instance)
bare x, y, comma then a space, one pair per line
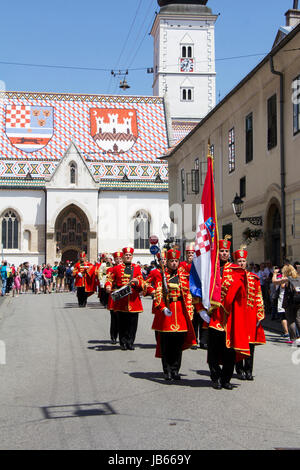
10, 230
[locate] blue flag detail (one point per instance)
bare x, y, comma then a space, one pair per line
195, 283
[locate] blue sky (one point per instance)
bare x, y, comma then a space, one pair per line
114, 34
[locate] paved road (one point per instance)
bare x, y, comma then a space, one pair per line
64, 386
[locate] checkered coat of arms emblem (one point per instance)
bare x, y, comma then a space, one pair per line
29, 128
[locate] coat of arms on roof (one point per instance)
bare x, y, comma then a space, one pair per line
29, 128
114, 130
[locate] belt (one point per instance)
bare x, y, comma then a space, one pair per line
175, 299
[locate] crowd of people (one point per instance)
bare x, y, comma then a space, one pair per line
279, 303
47, 278
36, 279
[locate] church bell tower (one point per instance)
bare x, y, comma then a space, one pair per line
184, 60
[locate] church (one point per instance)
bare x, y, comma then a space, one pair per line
86, 172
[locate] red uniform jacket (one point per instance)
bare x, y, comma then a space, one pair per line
149, 284
231, 317
255, 310
88, 276
117, 278
179, 302
110, 303
185, 265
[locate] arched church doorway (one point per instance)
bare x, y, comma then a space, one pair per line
72, 233
273, 238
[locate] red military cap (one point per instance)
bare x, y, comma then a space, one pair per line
173, 254
225, 244
118, 254
128, 249
241, 253
190, 247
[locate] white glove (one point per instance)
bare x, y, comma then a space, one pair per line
203, 314
79, 274
167, 312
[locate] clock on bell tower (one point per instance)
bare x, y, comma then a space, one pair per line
184, 58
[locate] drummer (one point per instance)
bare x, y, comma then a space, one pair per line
129, 306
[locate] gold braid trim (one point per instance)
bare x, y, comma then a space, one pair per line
185, 289
147, 285
260, 305
228, 281
158, 295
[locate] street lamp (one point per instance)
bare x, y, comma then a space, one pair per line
237, 206
167, 238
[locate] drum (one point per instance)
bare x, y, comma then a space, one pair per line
121, 293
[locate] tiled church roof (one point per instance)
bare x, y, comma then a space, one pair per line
37, 129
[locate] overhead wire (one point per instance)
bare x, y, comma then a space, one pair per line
127, 38
133, 69
141, 30
151, 5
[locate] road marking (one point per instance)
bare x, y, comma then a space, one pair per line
2, 353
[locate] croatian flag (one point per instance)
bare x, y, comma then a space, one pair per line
205, 280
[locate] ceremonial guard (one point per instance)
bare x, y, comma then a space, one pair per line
150, 281
255, 314
173, 315
84, 274
127, 281
114, 328
200, 332
228, 339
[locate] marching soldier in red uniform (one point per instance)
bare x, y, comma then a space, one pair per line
228, 339
84, 273
173, 315
127, 301
255, 314
150, 281
114, 328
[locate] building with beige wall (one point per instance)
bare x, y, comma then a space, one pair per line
254, 133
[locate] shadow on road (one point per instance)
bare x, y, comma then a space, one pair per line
276, 339
77, 410
90, 305
106, 345
158, 377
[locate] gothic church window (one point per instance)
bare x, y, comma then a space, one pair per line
10, 230
73, 171
141, 230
